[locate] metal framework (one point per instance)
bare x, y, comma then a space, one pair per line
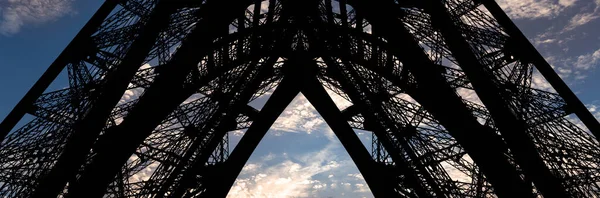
158, 85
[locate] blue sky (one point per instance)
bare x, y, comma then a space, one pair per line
300, 156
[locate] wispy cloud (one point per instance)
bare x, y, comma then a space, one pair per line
15, 14
300, 115
533, 9
584, 17
308, 174
581, 19
290, 178
295, 175
572, 69
588, 61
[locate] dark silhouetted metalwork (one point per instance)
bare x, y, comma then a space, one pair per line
154, 87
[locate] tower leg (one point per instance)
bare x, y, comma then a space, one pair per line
78, 44
291, 85
86, 130
512, 128
573, 103
432, 87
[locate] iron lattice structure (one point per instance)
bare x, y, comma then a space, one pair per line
195, 65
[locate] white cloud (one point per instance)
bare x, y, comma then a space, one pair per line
14, 14
595, 110
539, 82
361, 188
581, 19
538, 41
300, 115
130, 95
566, 3
573, 69
588, 61
295, 174
533, 9
469, 95
145, 173
294, 177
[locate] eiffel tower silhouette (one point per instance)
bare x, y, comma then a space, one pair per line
403, 64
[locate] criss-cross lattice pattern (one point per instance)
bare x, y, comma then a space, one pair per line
444, 86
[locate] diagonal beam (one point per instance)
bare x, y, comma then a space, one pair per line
119, 143
292, 84
472, 136
412, 177
86, 130
55, 68
380, 184
544, 68
513, 128
279, 100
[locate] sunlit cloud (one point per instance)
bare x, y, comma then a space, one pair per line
300, 115
533, 9
15, 14
581, 19
588, 61
293, 174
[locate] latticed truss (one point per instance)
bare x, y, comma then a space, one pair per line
155, 87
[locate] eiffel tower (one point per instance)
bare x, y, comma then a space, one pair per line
405, 65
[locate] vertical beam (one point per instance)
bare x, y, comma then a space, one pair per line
69, 53
513, 129
86, 130
573, 103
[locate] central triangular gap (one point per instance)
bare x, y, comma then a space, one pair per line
300, 157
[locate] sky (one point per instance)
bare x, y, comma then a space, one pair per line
300, 156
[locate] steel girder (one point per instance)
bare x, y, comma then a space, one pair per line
406, 75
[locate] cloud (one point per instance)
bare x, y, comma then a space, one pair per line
572, 69
534, 9
469, 95
595, 110
580, 19
317, 173
566, 3
300, 115
14, 14
295, 175
144, 174
538, 41
539, 82
289, 178
588, 61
